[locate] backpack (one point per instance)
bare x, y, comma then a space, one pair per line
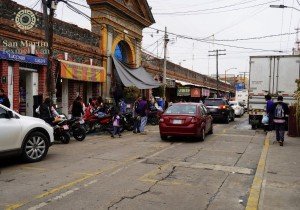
279, 111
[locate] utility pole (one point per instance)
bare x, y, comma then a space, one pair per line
217, 54
48, 18
166, 40
244, 80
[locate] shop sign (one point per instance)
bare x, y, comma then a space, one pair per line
23, 58
82, 72
183, 91
195, 93
171, 83
205, 92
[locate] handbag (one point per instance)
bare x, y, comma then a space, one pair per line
265, 119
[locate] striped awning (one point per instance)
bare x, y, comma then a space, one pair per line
82, 72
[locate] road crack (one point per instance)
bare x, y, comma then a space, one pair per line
143, 192
211, 199
192, 155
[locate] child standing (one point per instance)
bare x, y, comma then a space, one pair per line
116, 125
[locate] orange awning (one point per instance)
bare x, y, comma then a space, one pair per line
82, 72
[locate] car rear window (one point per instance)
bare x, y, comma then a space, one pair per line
212, 102
181, 109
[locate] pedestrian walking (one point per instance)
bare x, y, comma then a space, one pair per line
4, 100
142, 111
269, 107
116, 125
280, 110
136, 116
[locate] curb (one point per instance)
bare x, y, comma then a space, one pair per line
255, 190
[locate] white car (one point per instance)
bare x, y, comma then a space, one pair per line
238, 108
27, 136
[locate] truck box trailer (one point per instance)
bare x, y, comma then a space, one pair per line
273, 75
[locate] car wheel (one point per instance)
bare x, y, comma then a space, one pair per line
164, 138
227, 119
202, 137
35, 147
211, 131
232, 117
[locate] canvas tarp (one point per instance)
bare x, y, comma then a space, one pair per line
138, 77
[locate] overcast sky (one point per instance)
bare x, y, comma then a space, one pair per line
226, 19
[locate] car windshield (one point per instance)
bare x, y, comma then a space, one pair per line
212, 102
181, 109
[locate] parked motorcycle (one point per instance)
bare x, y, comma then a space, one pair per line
61, 131
154, 115
127, 121
98, 121
77, 129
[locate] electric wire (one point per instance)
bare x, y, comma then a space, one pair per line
208, 9
207, 13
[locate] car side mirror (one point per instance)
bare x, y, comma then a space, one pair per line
9, 114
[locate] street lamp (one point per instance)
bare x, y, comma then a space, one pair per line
226, 72
281, 6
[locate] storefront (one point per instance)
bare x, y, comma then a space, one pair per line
183, 93
23, 80
195, 94
78, 79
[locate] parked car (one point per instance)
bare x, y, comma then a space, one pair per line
26, 136
186, 119
219, 109
238, 108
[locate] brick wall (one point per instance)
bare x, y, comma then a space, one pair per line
75, 88
3, 72
16, 73
43, 81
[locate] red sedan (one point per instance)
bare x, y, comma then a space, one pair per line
186, 119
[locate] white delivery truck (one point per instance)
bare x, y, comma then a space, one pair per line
242, 97
274, 75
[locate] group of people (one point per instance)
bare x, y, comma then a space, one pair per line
277, 113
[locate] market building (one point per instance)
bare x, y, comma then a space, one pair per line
184, 84
120, 25
77, 68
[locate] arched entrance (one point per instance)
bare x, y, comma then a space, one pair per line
124, 53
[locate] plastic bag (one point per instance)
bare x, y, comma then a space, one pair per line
265, 120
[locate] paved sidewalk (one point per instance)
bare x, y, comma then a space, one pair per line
281, 179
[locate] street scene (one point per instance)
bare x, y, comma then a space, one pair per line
148, 104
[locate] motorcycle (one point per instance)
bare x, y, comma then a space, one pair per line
77, 129
98, 121
154, 115
61, 131
127, 121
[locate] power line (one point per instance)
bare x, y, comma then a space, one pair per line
208, 9
254, 38
184, 14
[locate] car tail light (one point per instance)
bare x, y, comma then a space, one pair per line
194, 120
222, 107
161, 120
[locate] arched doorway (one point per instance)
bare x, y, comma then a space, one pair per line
124, 53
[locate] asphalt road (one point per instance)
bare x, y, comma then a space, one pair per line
138, 172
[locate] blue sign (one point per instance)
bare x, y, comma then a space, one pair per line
23, 58
240, 86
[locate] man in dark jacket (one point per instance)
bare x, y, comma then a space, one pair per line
4, 99
280, 110
45, 111
77, 108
